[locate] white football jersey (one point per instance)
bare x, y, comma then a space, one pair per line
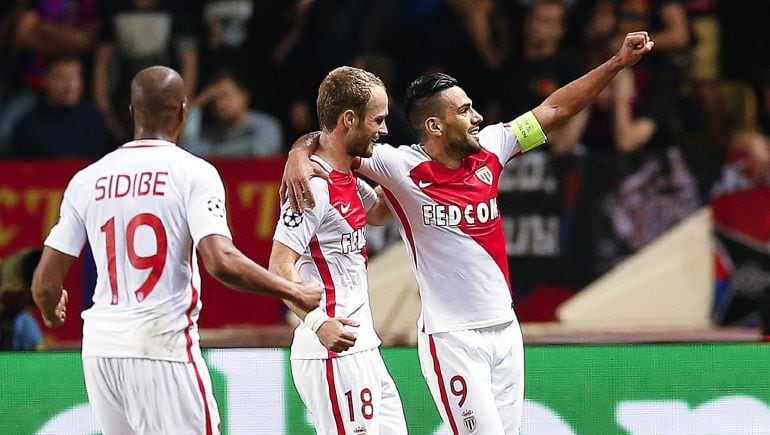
331, 241
451, 226
143, 208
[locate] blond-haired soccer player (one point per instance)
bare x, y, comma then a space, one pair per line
340, 374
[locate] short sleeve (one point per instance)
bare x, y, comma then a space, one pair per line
382, 167
367, 194
68, 235
206, 206
501, 140
296, 229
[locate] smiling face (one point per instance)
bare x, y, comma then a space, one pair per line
459, 122
369, 127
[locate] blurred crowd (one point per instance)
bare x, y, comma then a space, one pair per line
699, 105
252, 66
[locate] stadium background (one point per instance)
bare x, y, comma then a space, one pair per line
674, 388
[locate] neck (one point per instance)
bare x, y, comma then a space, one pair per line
331, 147
442, 155
142, 133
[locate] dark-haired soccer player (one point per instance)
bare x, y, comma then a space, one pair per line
444, 193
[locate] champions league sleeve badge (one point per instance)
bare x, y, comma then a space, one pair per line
216, 207
291, 219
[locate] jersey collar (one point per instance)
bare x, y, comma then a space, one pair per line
145, 143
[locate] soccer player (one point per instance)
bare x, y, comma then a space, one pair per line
145, 209
339, 374
444, 194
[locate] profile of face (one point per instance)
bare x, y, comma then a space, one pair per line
231, 103
544, 23
371, 126
64, 83
459, 122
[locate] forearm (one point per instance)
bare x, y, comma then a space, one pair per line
188, 59
57, 38
46, 296
569, 100
630, 133
100, 86
289, 272
240, 273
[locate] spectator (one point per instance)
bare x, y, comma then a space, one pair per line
615, 125
30, 33
18, 328
538, 67
743, 292
226, 37
235, 131
137, 34
399, 130
62, 124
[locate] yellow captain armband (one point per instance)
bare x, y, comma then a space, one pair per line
528, 131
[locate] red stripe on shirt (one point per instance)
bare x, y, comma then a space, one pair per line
333, 397
326, 278
404, 222
201, 387
441, 388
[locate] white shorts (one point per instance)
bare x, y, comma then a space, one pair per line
476, 377
352, 394
147, 396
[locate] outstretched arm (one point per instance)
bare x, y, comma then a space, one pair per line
331, 331
47, 289
570, 99
230, 266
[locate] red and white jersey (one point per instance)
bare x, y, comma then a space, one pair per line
331, 241
450, 223
143, 208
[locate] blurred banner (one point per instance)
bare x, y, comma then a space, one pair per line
30, 194
616, 389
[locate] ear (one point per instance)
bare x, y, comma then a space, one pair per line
182, 111
433, 126
131, 111
349, 118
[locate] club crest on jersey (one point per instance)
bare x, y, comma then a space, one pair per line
216, 207
469, 421
291, 219
485, 175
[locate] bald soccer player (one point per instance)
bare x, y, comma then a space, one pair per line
146, 209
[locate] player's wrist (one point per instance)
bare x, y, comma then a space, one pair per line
315, 319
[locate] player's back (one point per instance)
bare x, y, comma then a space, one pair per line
135, 206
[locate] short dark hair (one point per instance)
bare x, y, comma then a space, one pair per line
419, 97
55, 61
344, 88
234, 76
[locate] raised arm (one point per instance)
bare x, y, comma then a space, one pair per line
331, 331
47, 289
295, 182
230, 266
570, 99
